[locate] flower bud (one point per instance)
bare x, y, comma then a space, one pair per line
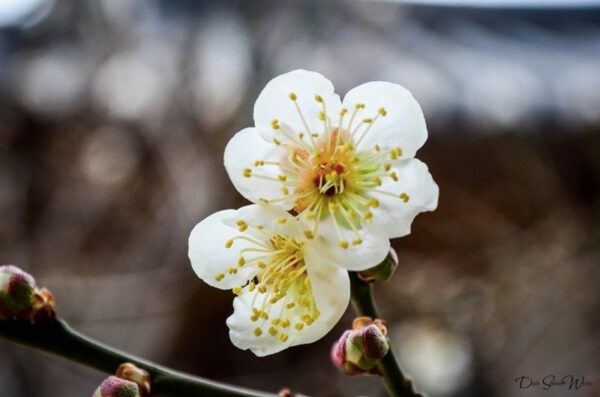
21, 299
117, 387
383, 271
137, 375
358, 351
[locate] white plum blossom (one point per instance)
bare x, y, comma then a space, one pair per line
288, 293
345, 168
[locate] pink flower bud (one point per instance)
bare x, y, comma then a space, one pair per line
21, 299
382, 272
358, 351
117, 387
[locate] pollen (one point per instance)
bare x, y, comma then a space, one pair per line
257, 332
272, 331
247, 172
293, 96
241, 261
228, 243
319, 98
282, 178
299, 326
357, 241
283, 337
404, 197
344, 244
237, 290
382, 112
309, 234
394, 176
373, 203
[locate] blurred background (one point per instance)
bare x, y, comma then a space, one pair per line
113, 119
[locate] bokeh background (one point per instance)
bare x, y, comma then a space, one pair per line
113, 119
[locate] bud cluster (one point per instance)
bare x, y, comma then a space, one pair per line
129, 381
21, 299
358, 351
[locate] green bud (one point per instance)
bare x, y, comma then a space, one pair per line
382, 272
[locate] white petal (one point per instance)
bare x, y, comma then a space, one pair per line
373, 248
242, 152
274, 220
274, 102
331, 290
394, 214
210, 257
241, 328
404, 124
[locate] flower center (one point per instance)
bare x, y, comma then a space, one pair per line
284, 301
326, 175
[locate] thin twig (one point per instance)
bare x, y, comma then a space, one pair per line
397, 384
58, 338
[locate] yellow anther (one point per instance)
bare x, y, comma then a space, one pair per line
251, 286
393, 155
228, 243
232, 270
357, 242
247, 172
276, 321
377, 148
309, 234
399, 151
254, 317
275, 124
272, 331
322, 116
262, 289
293, 96
404, 197
219, 277
344, 244
373, 203
257, 332
276, 141
242, 226
285, 191
319, 98
282, 221
377, 181
359, 106
290, 305
394, 176
368, 216
283, 337
301, 136
315, 135
299, 326
387, 166
241, 261
264, 315
237, 290
382, 112
282, 178
273, 300
368, 120
258, 163
343, 111
261, 264
285, 323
